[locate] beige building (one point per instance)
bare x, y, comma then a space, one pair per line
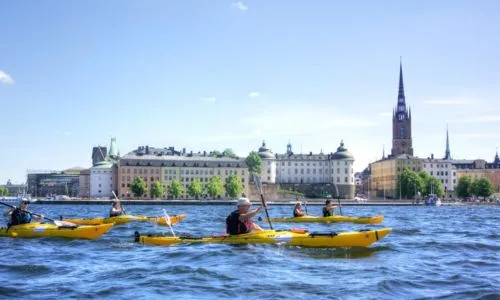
385, 173
167, 164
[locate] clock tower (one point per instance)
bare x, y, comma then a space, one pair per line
401, 123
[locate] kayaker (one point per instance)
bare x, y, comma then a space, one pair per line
297, 210
116, 209
329, 208
20, 215
239, 221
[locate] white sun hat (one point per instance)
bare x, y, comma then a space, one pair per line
243, 201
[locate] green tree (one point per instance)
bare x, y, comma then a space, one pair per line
228, 152
4, 191
463, 187
195, 189
482, 187
138, 186
254, 162
409, 183
215, 153
175, 189
215, 187
431, 185
157, 189
234, 187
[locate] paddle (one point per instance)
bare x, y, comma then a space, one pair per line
259, 185
57, 223
167, 220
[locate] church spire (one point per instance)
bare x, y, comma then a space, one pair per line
447, 154
401, 111
383, 151
401, 92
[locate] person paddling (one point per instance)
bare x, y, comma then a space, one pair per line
297, 210
240, 220
20, 215
329, 208
116, 209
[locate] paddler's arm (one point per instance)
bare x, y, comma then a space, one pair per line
9, 212
250, 214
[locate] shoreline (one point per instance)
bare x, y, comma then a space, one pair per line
233, 202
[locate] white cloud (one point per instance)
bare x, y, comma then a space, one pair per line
209, 99
480, 119
254, 94
446, 101
239, 5
5, 78
385, 114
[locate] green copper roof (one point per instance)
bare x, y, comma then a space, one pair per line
342, 152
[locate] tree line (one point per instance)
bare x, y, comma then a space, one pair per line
214, 188
480, 187
411, 183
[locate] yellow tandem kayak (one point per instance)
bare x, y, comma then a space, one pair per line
330, 219
36, 229
127, 219
285, 237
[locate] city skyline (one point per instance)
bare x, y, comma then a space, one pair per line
229, 75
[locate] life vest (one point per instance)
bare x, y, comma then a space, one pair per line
234, 225
327, 213
116, 213
20, 217
297, 214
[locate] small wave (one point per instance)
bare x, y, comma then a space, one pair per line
11, 292
26, 269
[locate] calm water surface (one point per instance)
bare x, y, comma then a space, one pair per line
433, 252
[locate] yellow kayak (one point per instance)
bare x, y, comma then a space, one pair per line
36, 229
291, 238
127, 219
330, 219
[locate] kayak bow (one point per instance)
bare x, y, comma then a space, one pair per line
127, 219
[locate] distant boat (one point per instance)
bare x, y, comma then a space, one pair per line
433, 200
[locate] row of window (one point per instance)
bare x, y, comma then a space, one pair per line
442, 173
309, 164
308, 171
438, 166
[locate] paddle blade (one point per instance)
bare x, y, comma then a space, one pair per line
257, 182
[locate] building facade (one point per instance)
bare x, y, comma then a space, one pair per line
444, 170
268, 169
167, 164
104, 174
385, 174
84, 182
332, 173
15, 189
51, 183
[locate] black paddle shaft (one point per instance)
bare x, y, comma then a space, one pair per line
340, 206
265, 208
12, 206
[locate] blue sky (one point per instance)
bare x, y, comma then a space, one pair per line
215, 74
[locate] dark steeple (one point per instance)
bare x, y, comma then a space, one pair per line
497, 159
447, 154
401, 122
401, 111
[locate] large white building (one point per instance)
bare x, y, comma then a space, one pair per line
103, 175
335, 169
442, 169
268, 169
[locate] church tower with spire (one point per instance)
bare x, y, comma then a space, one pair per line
401, 122
447, 153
